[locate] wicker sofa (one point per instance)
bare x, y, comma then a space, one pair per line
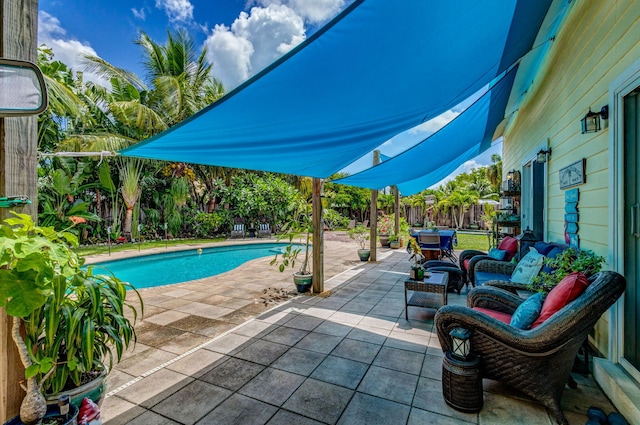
537, 362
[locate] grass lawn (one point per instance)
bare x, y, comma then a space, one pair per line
472, 241
103, 249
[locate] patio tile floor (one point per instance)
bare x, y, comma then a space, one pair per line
348, 358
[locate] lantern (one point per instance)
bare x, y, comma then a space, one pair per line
461, 343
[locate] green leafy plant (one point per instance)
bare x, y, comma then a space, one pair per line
72, 318
360, 234
569, 261
300, 225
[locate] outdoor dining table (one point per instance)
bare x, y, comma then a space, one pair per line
447, 239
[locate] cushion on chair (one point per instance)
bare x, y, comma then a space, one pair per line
543, 247
509, 244
497, 254
482, 277
528, 267
566, 291
552, 254
503, 317
527, 312
466, 263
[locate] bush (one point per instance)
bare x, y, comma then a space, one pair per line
207, 225
334, 219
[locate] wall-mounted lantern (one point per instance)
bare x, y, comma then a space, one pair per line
591, 121
543, 156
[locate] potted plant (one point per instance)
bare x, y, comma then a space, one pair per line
417, 272
386, 224
568, 261
301, 226
72, 318
394, 242
360, 234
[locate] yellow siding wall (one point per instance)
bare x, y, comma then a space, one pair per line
596, 42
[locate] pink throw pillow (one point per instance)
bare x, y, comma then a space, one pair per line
566, 291
509, 244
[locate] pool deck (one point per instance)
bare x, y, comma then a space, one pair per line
233, 349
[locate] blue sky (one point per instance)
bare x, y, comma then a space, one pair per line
242, 37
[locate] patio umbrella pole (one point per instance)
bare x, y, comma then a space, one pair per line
318, 238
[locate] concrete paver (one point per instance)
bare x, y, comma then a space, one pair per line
346, 357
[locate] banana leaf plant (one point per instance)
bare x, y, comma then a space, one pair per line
73, 318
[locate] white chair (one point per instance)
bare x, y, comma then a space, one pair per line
238, 230
264, 230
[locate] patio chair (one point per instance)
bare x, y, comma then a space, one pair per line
351, 225
365, 224
264, 230
238, 230
538, 361
430, 245
470, 257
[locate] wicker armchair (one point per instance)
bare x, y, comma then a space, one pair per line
500, 271
456, 276
537, 362
469, 258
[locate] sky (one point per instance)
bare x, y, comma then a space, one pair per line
241, 36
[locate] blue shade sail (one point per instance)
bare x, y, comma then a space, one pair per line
464, 138
379, 68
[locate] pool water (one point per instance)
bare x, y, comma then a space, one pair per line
182, 266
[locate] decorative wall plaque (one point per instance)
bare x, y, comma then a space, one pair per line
573, 174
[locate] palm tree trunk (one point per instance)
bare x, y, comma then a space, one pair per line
128, 221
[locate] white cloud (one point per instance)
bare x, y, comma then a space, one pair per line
176, 10
67, 50
312, 11
253, 41
139, 13
435, 124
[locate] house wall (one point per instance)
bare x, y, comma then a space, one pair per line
597, 41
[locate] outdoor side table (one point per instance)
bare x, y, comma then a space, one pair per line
430, 293
462, 383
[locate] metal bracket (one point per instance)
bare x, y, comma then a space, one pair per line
14, 201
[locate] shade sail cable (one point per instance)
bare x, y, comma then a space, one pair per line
350, 87
428, 162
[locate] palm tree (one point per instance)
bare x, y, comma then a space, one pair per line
182, 79
494, 172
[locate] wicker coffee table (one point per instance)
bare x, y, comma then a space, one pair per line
431, 293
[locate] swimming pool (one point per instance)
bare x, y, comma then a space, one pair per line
182, 266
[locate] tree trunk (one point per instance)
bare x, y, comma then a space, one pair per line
128, 220
34, 405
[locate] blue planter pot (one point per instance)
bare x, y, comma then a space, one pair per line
52, 411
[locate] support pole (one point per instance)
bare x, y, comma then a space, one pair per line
373, 222
18, 176
396, 210
318, 237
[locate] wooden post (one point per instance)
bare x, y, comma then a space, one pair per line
318, 237
396, 210
373, 222
18, 175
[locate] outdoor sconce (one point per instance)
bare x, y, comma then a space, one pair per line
543, 155
510, 174
591, 121
461, 347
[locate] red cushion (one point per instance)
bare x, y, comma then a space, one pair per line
509, 244
566, 291
503, 317
466, 263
